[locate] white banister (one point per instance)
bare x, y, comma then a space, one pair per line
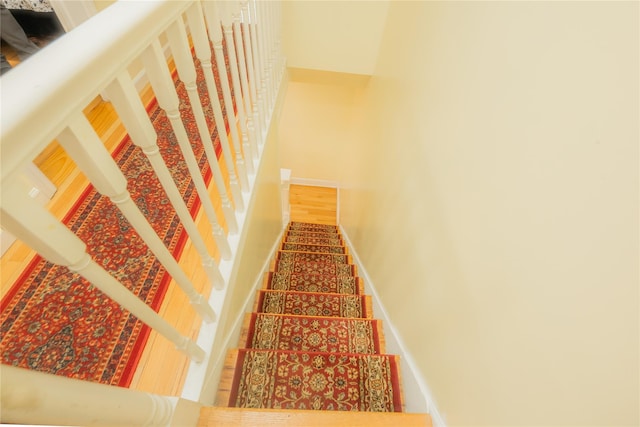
198, 29
127, 103
38, 228
45, 100
83, 145
30, 397
187, 73
165, 92
215, 34
227, 30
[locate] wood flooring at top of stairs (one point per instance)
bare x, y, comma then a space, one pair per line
239, 417
313, 204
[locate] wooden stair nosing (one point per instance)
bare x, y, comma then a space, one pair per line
244, 417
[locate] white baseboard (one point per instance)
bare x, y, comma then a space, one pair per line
418, 398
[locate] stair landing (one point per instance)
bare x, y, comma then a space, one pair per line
227, 417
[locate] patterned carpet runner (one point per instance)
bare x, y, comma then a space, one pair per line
313, 304
311, 342
54, 321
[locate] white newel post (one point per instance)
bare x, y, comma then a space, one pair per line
215, 35
165, 91
227, 30
125, 99
30, 397
203, 52
43, 232
187, 72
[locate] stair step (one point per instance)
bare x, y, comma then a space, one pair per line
312, 227
311, 380
313, 263
304, 282
328, 234
243, 417
313, 304
324, 249
315, 239
264, 331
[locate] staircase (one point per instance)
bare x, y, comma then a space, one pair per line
311, 352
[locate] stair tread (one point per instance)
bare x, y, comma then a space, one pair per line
268, 331
251, 368
304, 282
239, 417
313, 303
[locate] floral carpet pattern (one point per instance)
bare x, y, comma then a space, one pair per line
312, 304
53, 320
320, 381
313, 240
301, 333
314, 263
304, 348
313, 248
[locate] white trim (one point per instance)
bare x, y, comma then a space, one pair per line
311, 182
418, 397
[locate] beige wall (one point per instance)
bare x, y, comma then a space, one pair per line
339, 36
318, 123
498, 213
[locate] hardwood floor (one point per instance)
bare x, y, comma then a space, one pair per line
313, 204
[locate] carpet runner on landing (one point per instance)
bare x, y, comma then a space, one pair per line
311, 342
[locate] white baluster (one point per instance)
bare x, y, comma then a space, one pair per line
187, 72
35, 398
261, 36
266, 52
234, 8
84, 146
227, 30
39, 229
162, 85
215, 35
203, 52
259, 104
125, 99
251, 76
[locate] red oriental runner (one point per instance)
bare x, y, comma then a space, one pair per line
320, 381
56, 322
